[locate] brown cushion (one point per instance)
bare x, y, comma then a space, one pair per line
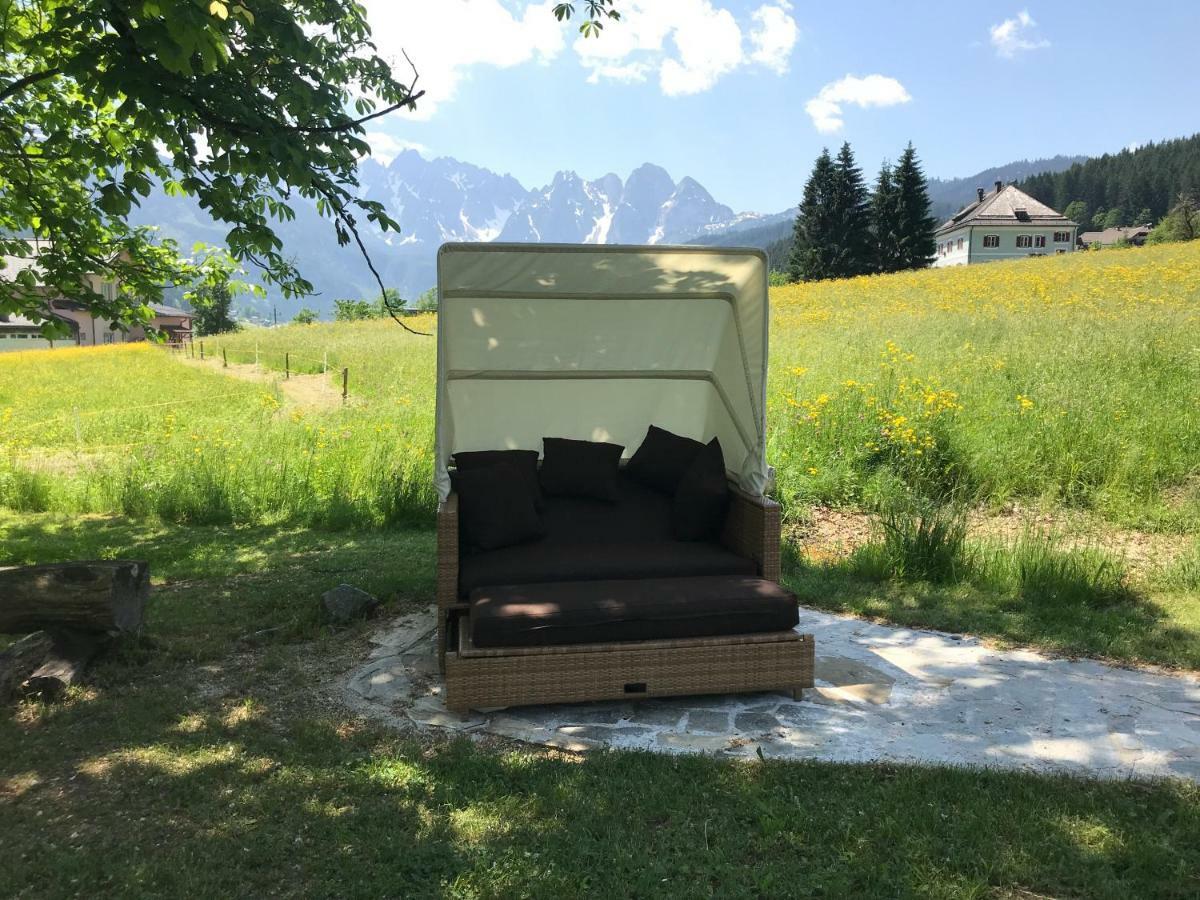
640, 514
702, 498
594, 612
580, 468
546, 561
495, 508
662, 459
525, 461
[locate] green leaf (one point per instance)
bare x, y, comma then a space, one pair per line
219, 9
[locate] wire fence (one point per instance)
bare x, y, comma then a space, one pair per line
293, 363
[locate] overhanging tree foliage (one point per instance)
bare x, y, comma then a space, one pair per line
247, 106
214, 290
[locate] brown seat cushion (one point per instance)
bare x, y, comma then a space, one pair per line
592, 612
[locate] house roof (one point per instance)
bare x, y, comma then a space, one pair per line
14, 322
1113, 235
1008, 205
161, 309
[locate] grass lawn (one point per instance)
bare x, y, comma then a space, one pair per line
207, 757
196, 763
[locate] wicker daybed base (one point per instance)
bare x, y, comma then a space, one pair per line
492, 678
518, 676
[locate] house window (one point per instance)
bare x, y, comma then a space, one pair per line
991, 240
1062, 237
109, 290
1024, 241
1039, 241
108, 337
960, 240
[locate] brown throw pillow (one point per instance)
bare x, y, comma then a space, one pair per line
662, 459
525, 461
580, 468
702, 499
495, 508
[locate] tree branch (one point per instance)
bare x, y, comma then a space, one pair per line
354, 123
24, 82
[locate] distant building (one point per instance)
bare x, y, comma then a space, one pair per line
21, 333
1005, 224
1110, 237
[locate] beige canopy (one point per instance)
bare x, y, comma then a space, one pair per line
598, 342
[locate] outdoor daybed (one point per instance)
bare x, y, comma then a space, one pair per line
603, 530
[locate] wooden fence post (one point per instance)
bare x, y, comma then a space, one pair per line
202, 351
345, 383
224, 359
287, 365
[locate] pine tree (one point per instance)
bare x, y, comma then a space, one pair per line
917, 245
811, 258
850, 237
885, 222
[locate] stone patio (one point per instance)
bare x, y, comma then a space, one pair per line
883, 694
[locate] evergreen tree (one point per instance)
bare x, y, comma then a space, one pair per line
885, 222
917, 245
1149, 178
850, 217
811, 258
212, 294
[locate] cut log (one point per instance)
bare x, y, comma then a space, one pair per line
101, 595
70, 652
18, 661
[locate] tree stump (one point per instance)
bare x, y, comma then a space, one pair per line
77, 606
69, 654
19, 660
99, 596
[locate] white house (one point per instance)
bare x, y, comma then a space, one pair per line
1006, 224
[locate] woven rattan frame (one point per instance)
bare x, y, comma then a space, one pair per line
477, 679
512, 677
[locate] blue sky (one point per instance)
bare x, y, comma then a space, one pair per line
743, 95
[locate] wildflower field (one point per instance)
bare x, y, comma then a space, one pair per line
1069, 380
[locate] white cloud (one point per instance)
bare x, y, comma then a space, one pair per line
825, 109
773, 36
1016, 35
447, 38
386, 147
691, 43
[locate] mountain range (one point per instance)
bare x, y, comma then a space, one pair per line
443, 199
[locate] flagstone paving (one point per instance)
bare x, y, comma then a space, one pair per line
882, 694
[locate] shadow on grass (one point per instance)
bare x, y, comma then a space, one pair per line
215, 584
1121, 625
214, 798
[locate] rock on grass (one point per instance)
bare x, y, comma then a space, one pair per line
345, 603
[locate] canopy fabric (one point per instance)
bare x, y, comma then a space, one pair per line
598, 342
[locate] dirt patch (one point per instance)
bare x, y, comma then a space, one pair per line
305, 392
832, 534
